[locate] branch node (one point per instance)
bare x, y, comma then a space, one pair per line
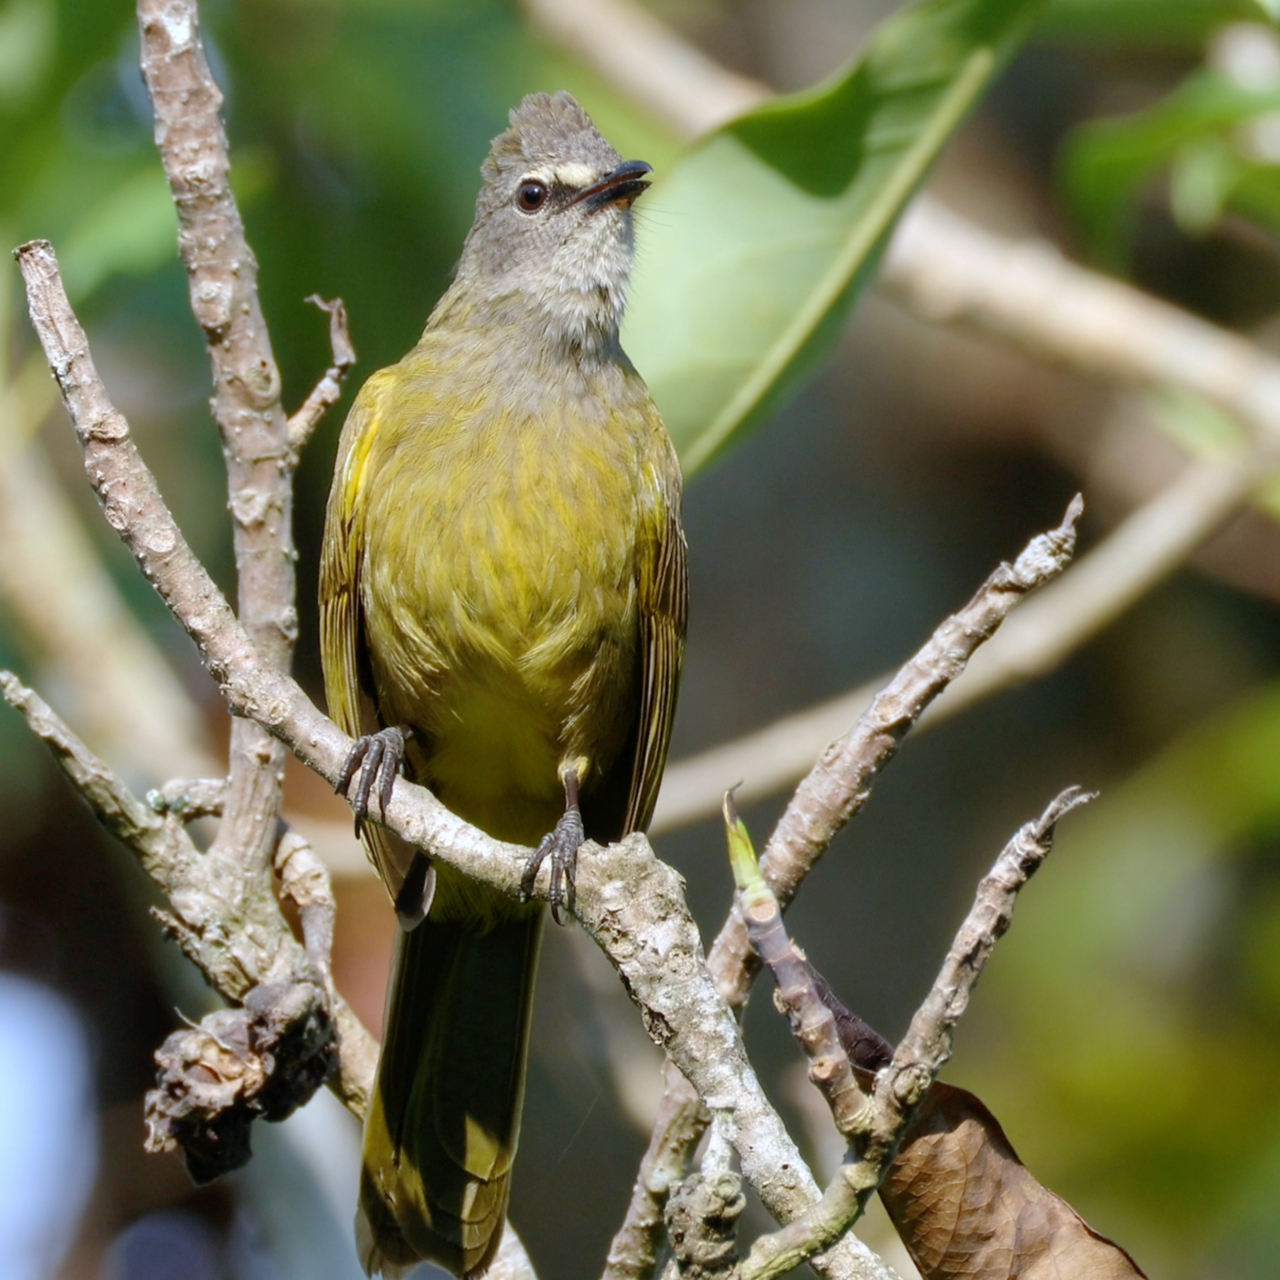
304, 881
702, 1215
189, 798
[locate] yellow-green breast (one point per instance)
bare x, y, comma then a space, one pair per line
499, 588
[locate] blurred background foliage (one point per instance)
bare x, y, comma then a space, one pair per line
1128, 1034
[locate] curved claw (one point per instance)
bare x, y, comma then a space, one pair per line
562, 846
377, 758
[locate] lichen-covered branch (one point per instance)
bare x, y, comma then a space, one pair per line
701, 1216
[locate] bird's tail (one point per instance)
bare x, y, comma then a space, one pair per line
441, 1134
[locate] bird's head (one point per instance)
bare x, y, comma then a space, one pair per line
552, 231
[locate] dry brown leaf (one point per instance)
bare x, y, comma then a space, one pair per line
968, 1209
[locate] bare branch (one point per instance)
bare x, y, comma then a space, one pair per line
798, 994
927, 1044
840, 783
223, 282
238, 947
876, 1126
680, 1122
326, 392
949, 270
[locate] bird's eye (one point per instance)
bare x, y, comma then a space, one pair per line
532, 197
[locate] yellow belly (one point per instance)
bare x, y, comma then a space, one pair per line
500, 604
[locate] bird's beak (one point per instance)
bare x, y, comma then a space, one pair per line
621, 186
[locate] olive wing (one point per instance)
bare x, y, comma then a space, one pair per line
663, 598
347, 686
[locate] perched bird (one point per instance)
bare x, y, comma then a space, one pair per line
503, 596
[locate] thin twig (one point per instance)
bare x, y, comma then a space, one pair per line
680, 1122
798, 993
70, 616
327, 391
840, 783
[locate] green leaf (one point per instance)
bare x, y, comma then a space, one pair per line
1147, 24
753, 248
1106, 163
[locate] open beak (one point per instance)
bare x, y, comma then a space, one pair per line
621, 186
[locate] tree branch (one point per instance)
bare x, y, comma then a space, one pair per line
840, 783
236, 952
876, 1124
949, 270
835, 788
223, 283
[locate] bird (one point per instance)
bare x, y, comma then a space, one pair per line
503, 607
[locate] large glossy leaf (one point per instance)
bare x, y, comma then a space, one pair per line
753, 248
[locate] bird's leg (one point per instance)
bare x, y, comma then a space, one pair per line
562, 845
377, 758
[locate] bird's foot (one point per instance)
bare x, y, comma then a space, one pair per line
562, 846
376, 758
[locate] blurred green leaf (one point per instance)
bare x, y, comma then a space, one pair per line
1123, 991
754, 247
1161, 24
1204, 430
27, 48
133, 229
1107, 164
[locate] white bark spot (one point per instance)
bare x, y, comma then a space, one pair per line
177, 26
